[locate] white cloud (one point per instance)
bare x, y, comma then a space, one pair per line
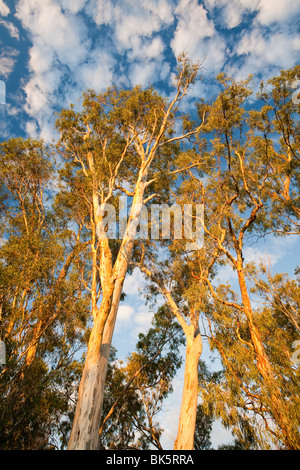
133, 25
132, 22
147, 49
143, 320
41, 59
272, 251
136, 319
51, 29
145, 73
7, 62
132, 319
264, 51
196, 35
133, 316
2, 92
232, 11
11, 28
193, 25
66, 57
97, 71
133, 282
268, 11
60, 46
271, 11
101, 11
73, 5
125, 313
32, 129
4, 10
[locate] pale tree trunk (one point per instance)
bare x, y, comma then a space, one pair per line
189, 401
84, 434
106, 344
120, 271
87, 419
188, 410
86, 425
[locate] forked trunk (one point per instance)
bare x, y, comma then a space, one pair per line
84, 434
87, 419
188, 410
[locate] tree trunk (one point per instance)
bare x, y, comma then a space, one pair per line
106, 344
87, 419
188, 410
84, 434
263, 363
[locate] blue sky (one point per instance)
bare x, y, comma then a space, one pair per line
52, 50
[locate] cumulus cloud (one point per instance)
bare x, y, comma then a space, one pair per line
125, 313
273, 251
133, 282
143, 18
271, 11
73, 5
62, 33
130, 43
4, 10
132, 22
7, 62
146, 73
231, 12
192, 27
2, 92
101, 11
97, 71
60, 44
147, 49
132, 319
262, 51
11, 28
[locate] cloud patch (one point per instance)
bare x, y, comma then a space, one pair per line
4, 10
272, 11
80, 44
193, 26
7, 62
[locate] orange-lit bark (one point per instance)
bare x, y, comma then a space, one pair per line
188, 410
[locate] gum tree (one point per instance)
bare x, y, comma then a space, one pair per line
173, 280
242, 399
242, 167
136, 389
115, 144
42, 312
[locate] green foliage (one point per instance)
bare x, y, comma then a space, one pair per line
43, 311
243, 164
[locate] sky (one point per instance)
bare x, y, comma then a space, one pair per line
53, 50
